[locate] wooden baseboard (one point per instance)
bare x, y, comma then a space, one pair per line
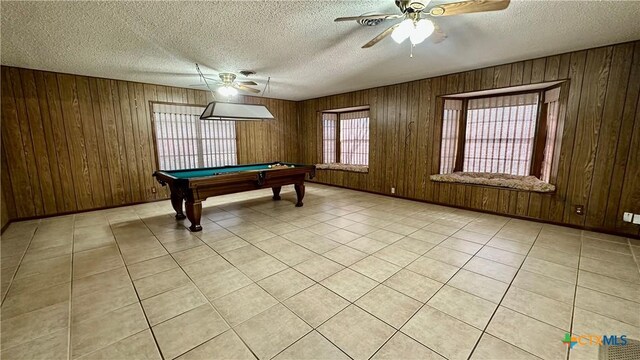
588, 228
543, 221
78, 212
5, 226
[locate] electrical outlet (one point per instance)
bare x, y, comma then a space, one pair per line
627, 217
636, 219
393, 190
579, 209
153, 189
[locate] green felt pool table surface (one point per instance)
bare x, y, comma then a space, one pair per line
204, 172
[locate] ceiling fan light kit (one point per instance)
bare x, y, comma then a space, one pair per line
228, 86
227, 90
415, 26
416, 31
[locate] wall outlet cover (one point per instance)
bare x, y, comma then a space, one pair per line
636, 219
393, 190
627, 217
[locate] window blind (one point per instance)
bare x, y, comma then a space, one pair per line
183, 141
500, 134
450, 129
354, 138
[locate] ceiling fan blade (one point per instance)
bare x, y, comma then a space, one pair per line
246, 88
466, 7
369, 17
247, 83
381, 36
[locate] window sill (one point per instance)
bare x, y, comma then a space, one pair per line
343, 167
526, 183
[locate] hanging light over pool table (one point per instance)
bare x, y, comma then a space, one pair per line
235, 112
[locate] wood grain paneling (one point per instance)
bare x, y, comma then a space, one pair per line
598, 164
73, 143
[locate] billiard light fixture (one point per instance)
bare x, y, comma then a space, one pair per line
226, 111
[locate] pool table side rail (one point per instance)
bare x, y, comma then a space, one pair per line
232, 166
259, 175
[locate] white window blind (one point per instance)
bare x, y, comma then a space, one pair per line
354, 138
345, 137
183, 141
500, 134
450, 129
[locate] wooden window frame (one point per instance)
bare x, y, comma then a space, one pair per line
540, 133
198, 130
339, 119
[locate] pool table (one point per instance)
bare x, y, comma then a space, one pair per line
193, 186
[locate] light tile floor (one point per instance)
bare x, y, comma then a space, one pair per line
349, 275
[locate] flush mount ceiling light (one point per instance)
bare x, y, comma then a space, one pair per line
235, 112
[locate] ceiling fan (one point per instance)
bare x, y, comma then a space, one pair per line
415, 26
227, 84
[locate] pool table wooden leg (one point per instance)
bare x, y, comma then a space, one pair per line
176, 202
276, 192
194, 213
299, 193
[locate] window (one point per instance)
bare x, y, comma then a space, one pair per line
345, 137
507, 133
183, 141
499, 134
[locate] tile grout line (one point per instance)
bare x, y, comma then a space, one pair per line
70, 319
313, 329
434, 294
319, 284
296, 270
115, 239
210, 302
484, 331
237, 214
575, 296
633, 254
37, 225
396, 330
24, 253
293, 312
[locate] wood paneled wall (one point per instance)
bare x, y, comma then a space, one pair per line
599, 162
73, 143
265, 141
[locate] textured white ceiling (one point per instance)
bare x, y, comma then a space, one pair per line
295, 42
